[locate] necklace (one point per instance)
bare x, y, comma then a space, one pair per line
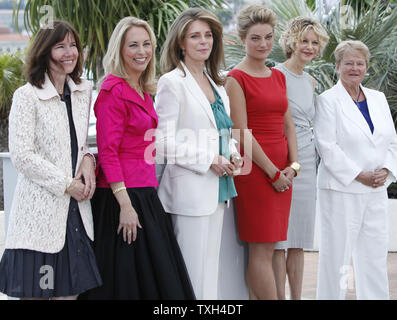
137, 88
358, 97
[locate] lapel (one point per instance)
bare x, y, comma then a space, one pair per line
378, 119
130, 94
198, 94
49, 92
80, 109
351, 110
222, 94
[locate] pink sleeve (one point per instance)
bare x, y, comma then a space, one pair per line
111, 116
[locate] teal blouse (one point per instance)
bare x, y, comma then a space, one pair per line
227, 189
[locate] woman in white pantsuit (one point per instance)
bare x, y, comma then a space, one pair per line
193, 137
357, 144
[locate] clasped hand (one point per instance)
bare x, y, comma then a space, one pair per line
373, 179
284, 182
83, 185
221, 166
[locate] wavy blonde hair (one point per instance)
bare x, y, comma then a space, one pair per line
295, 30
113, 61
171, 53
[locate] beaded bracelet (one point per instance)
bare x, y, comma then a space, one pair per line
276, 177
119, 189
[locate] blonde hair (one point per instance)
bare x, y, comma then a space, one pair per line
254, 14
295, 30
348, 45
171, 53
113, 62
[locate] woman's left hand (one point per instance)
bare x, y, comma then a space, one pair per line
289, 173
86, 172
380, 177
222, 167
237, 161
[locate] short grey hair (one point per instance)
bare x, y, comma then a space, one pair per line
349, 45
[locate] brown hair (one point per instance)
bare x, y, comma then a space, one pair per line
171, 54
39, 53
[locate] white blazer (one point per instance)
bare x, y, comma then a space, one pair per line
39, 143
188, 140
346, 144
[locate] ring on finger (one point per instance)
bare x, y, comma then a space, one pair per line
224, 173
129, 232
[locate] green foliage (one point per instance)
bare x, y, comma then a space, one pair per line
375, 25
95, 20
311, 4
11, 78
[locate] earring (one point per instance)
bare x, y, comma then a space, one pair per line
183, 53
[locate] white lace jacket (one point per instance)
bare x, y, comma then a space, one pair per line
39, 143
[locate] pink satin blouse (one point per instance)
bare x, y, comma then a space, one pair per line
125, 135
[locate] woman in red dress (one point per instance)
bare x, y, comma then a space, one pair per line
259, 108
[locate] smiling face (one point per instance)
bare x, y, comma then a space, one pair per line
352, 68
307, 48
137, 50
64, 56
197, 42
259, 41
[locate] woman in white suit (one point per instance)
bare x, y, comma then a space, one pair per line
357, 144
193, 137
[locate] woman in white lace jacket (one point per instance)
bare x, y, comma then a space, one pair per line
48, 252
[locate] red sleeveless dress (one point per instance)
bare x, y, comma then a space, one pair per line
263, 213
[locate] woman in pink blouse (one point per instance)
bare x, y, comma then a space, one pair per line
135, 247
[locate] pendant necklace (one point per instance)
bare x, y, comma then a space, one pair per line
358, 97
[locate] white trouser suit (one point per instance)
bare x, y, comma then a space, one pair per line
353, 221
353, 226
188, 138
199, 239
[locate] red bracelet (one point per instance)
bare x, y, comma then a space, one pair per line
276, 177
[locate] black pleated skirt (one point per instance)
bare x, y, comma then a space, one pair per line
32, 274
152, 267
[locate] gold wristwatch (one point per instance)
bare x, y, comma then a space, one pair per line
296, 166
